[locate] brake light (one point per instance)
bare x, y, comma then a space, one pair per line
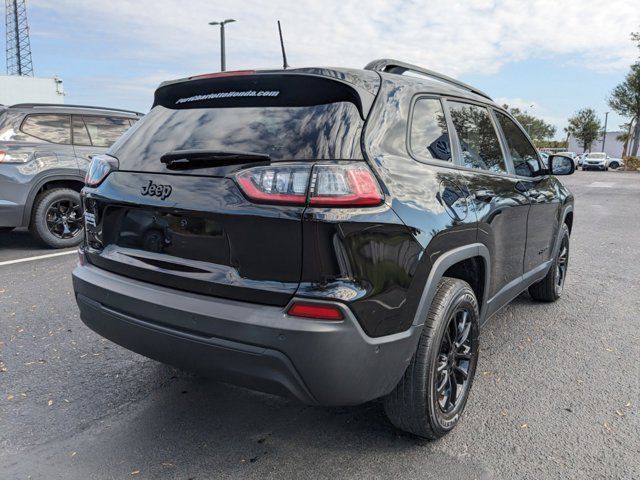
317, 311
100, 167
233, 73
339, 185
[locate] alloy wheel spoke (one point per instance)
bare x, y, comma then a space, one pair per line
443, 383
464, 375
453, 386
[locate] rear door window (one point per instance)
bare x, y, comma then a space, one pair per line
478, 138
524, 155
429, 137
51, 128
104, 131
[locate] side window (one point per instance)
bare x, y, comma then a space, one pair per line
478, 139
523, 154
429, 137
51, 128
104, 131
80, 134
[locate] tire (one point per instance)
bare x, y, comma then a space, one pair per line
415, 404
6, 229
614, 165
549, 289
56, 218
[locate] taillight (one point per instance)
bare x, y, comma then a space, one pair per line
346, 185
315, 310
343, 186
6, 157
276, 184
101, 166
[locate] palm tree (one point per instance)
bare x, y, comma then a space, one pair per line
569, 130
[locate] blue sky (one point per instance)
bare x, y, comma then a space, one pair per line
549, 57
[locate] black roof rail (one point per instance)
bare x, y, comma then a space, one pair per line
396, 66
90, 107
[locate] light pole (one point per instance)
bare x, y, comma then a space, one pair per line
604, 136
528, 125
222, 24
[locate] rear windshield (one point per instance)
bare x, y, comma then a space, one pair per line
293, 118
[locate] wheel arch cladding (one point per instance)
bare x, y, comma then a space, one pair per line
48, 183
468, 263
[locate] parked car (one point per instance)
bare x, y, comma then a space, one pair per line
614, 163
544, 157
335, 235
580, 159
600, 161
45, 151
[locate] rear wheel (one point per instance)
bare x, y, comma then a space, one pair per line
57, 219
433, 392
614, 165
549, 289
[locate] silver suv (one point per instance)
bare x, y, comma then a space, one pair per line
45, 151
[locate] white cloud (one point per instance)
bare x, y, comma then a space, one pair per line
453, 36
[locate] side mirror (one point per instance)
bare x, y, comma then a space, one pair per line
561, 165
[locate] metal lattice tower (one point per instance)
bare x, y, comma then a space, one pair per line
18, 44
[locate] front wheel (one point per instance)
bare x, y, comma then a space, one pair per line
433, 392
549, 289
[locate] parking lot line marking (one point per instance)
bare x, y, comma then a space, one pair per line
601, 184
39, 257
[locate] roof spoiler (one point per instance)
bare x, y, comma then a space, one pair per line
90, 107
396, 66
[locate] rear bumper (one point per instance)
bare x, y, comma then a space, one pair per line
256, 346
10, 214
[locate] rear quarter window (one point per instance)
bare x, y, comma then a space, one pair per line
10, 128
429, 137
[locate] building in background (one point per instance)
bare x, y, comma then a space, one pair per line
21, 89
612, 146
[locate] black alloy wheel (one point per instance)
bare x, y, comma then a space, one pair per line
64, 219
454, 361
562, 263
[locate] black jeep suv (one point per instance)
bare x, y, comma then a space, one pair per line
330, 234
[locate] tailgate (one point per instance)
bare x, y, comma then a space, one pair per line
205, 237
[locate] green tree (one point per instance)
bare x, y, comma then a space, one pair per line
625, 100
538, 129
585, 126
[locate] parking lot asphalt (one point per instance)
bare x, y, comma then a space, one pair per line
556, 393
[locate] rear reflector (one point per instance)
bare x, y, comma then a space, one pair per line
333, 185
318, 311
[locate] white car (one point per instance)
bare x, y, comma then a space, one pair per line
600, 161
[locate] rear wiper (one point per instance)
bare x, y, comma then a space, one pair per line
191, 159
